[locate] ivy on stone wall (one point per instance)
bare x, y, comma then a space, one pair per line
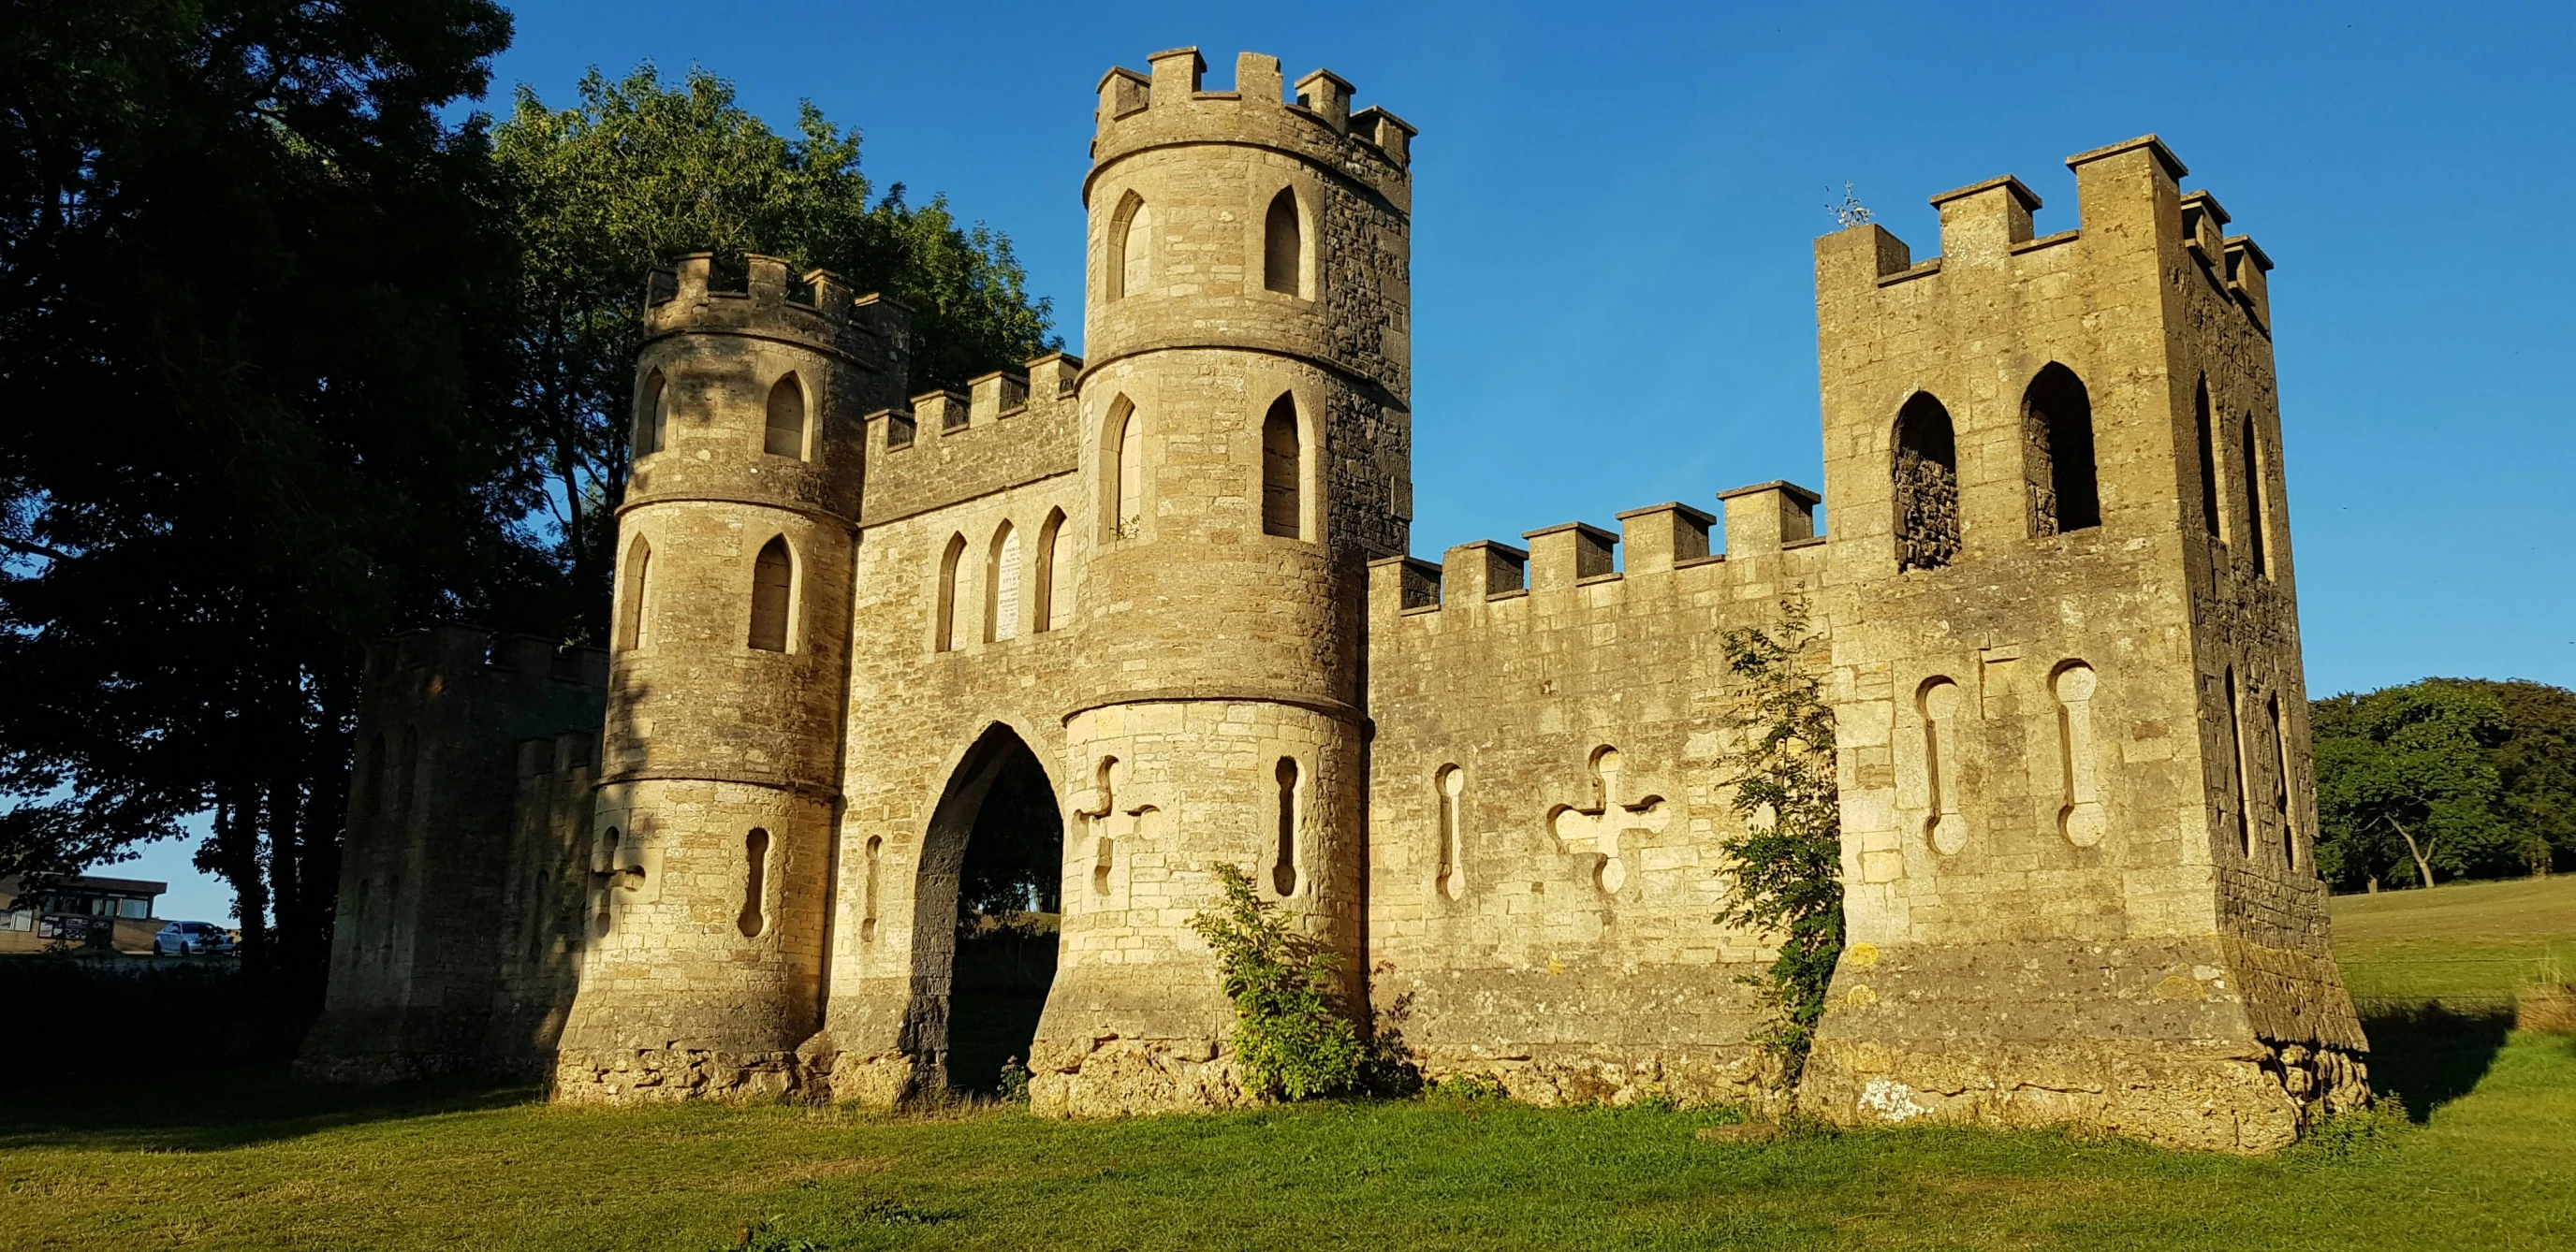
1788, 861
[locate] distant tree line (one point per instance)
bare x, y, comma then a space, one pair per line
294, 358
2445, 778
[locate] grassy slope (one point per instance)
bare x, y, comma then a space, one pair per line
2467, 944
251, 1163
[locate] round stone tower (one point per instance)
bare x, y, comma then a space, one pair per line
1245, 451
711, 833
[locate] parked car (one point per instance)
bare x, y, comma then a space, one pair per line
192, 939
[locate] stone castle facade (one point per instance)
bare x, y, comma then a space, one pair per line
2055, 618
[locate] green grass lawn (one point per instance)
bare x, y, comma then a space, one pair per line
252, 1162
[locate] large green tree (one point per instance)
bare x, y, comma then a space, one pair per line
2406, 787
258, 414
639, 172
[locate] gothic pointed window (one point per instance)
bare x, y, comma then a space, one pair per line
1002, 586
1927, 485
631, 606
947, 631
652, 416
1127, 494
1131, 246
1282, 469
773, 576
2057, 449
786, 430
1052, 582
1283, 252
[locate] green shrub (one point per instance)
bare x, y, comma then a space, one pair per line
1788, 861
1289, 1035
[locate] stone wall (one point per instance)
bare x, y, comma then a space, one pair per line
1549, 788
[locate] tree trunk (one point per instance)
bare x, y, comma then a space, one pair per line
2422, 855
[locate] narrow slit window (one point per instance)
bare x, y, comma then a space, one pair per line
2206, 432
1450, 787
2281, 780
1282, 468
786, 431
1283, 253
952, 581
1283, 870
2057, 444
868, 914
632, 609
773, 578
755, 875
2256, 524
1938, 702
1927, 485
2236, 751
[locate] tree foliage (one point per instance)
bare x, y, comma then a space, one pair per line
638, 173
1788, 861
2445, 776
294, 361
1292, 1040
248, 286
2405, 789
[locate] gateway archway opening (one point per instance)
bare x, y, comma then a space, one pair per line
992, 879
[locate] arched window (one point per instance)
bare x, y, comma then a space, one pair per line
2206, 431
2057, 451
952, 580
1002, 585
1131, 246
786, 436
630, 595
652, 415
1283, 246
2256, 524
1127, 498
1054, 581
773, 577
1283, 872
1927, 485
1282, 468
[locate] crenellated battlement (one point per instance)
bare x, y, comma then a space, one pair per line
1006, 428
2131, 210
455, 651
818, 308
1765, 520
1172, 105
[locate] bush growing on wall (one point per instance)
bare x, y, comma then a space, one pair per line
1789, 859
1289, 1037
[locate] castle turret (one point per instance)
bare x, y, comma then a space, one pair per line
2078, 822
1246, 450
711, 832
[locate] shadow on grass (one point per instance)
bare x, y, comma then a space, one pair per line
2430, 1054
211, 1111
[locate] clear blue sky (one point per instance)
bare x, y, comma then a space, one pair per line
1614, 207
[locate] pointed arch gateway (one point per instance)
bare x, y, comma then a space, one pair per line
985, 900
